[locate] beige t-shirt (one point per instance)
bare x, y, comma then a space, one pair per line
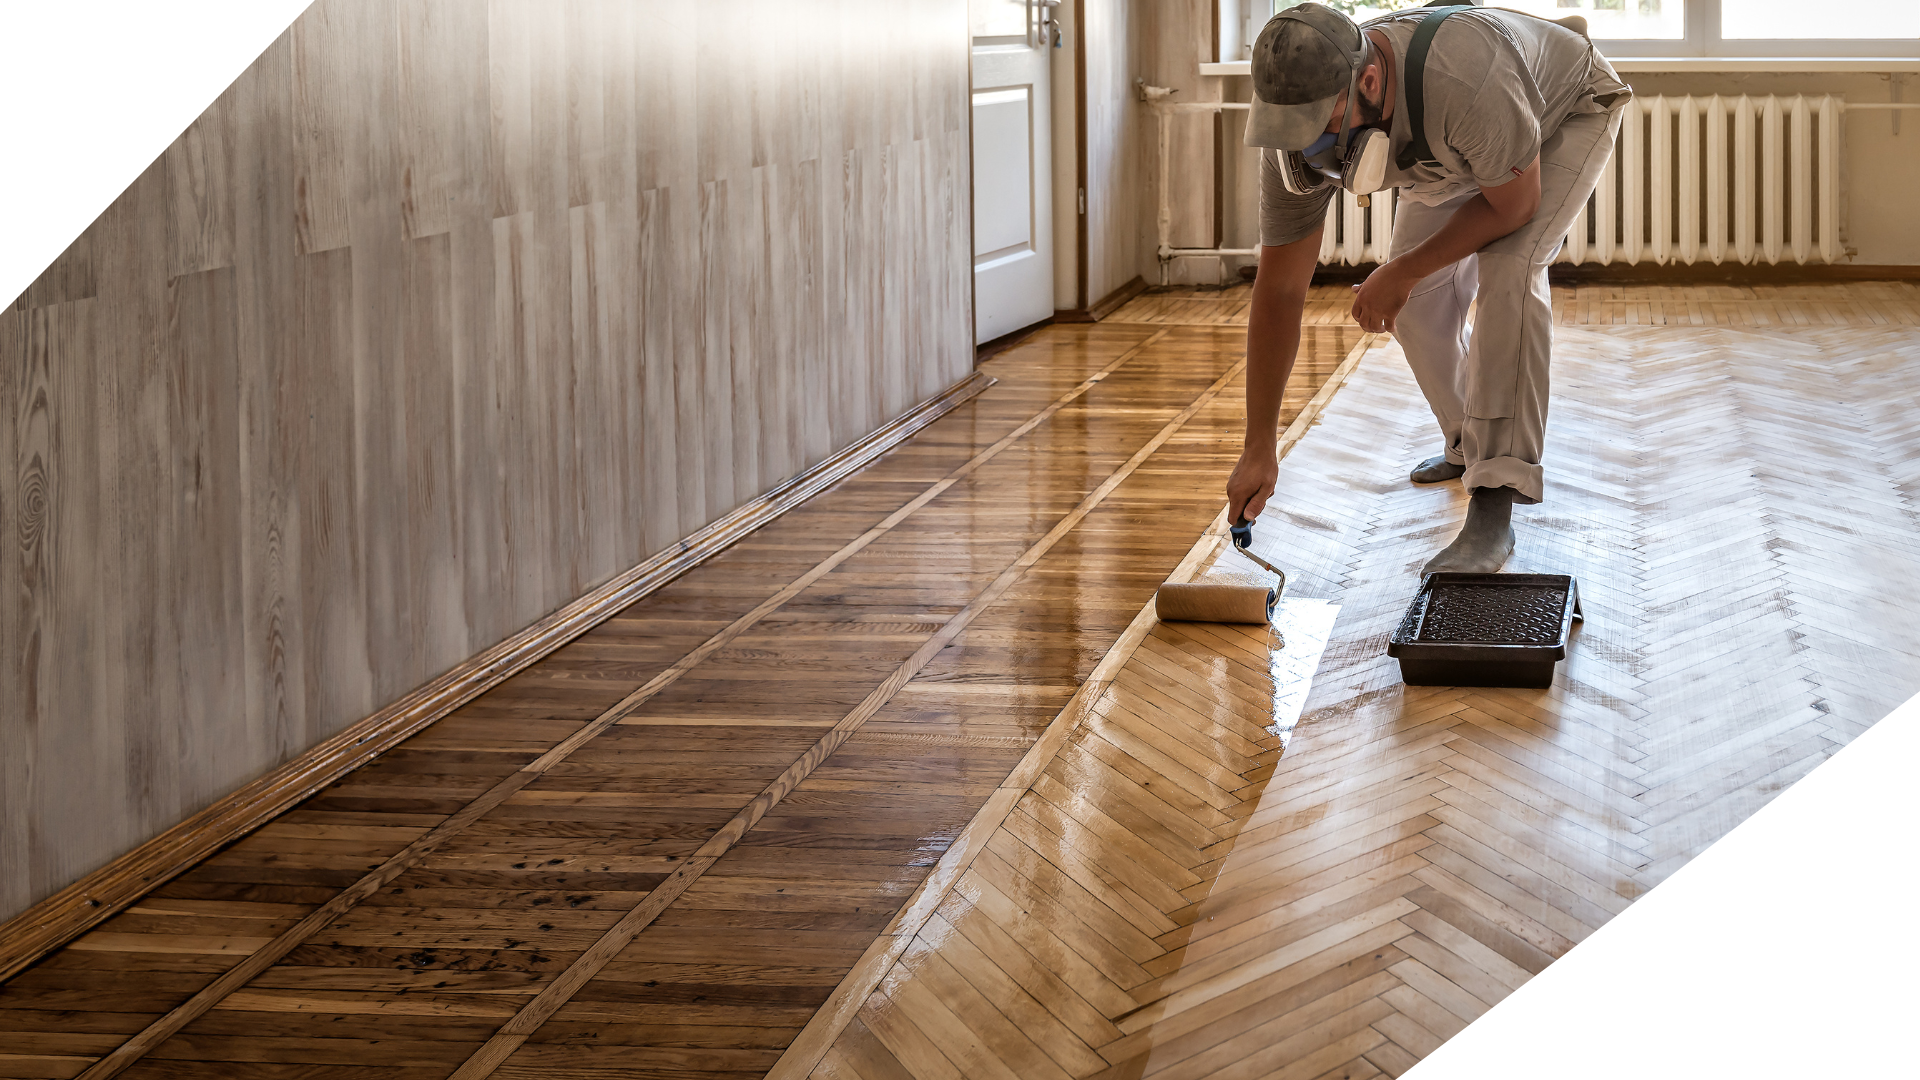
1497, 84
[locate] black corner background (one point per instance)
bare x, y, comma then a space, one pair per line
1778, 952
95, 93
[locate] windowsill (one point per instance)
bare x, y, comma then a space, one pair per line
1743, 64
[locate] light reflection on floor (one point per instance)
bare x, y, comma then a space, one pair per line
1304, 626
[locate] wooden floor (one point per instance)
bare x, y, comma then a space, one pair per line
908, 784
658, 850
1173, 898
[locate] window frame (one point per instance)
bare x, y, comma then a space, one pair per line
1703, 40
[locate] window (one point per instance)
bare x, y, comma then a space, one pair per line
1786, 28
1742, 27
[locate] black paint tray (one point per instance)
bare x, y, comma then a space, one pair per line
1486, 629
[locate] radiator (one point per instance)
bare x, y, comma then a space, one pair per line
1693, 179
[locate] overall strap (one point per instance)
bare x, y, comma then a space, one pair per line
1417, 151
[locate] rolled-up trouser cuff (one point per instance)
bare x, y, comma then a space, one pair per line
1524, 477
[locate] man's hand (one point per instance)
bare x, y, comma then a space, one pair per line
1251, 484
1494, 213
1378, 300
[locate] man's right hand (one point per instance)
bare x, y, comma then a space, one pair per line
1251, 484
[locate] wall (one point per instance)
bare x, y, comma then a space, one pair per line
443, 313
1158, 41
1116, 139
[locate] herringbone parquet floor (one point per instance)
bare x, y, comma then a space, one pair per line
917, 752
1171, 895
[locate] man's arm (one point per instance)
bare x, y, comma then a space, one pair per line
1494, 213
1273, 338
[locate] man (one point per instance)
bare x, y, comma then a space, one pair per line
1519, 115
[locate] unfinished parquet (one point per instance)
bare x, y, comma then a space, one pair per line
1170, 900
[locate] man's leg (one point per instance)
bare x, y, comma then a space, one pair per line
1505, 392
1432, 331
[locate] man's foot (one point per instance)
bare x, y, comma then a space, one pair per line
1436, 470
1485, 541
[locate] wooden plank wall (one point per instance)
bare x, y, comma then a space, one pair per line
443, 313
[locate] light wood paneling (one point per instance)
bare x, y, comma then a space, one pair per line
1177, 895
442, 314
100, 895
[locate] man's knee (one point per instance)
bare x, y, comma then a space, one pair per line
1509, 273
1434, 317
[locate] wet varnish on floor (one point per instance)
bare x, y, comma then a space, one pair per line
1731, 479
659, 850
905, 785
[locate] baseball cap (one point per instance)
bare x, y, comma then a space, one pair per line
1304, 58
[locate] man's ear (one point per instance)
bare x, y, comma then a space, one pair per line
1378, 72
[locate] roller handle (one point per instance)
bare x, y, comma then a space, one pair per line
1242, 534
1243, 539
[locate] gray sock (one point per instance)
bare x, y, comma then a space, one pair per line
1436, 470
1485, 541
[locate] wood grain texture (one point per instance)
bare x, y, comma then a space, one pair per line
648, 735
73, 910
838, 1013
1731, 481
442, 315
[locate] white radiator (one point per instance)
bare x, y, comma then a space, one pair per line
1693, 179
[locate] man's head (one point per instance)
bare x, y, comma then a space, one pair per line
1307, 57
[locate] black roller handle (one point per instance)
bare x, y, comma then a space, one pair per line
1243, 534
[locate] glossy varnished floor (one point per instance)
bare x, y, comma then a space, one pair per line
1732, 481
658, 851
905, 785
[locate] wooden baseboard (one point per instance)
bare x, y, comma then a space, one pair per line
1698, 274
69, 913
1107, 305
1114, 300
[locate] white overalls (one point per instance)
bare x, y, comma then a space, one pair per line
1487, 384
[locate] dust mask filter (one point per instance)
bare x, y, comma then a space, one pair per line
1360, 166
1365, 170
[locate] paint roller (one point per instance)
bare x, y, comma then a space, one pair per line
1202, 601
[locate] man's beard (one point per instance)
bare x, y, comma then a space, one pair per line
1369, 112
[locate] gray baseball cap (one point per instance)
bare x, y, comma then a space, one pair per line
1304, 58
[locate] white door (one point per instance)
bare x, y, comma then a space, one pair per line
1012, 166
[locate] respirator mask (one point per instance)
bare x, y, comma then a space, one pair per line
1355, 158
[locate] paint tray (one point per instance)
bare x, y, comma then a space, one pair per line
1486, 629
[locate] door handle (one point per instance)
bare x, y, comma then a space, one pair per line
1039, 18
